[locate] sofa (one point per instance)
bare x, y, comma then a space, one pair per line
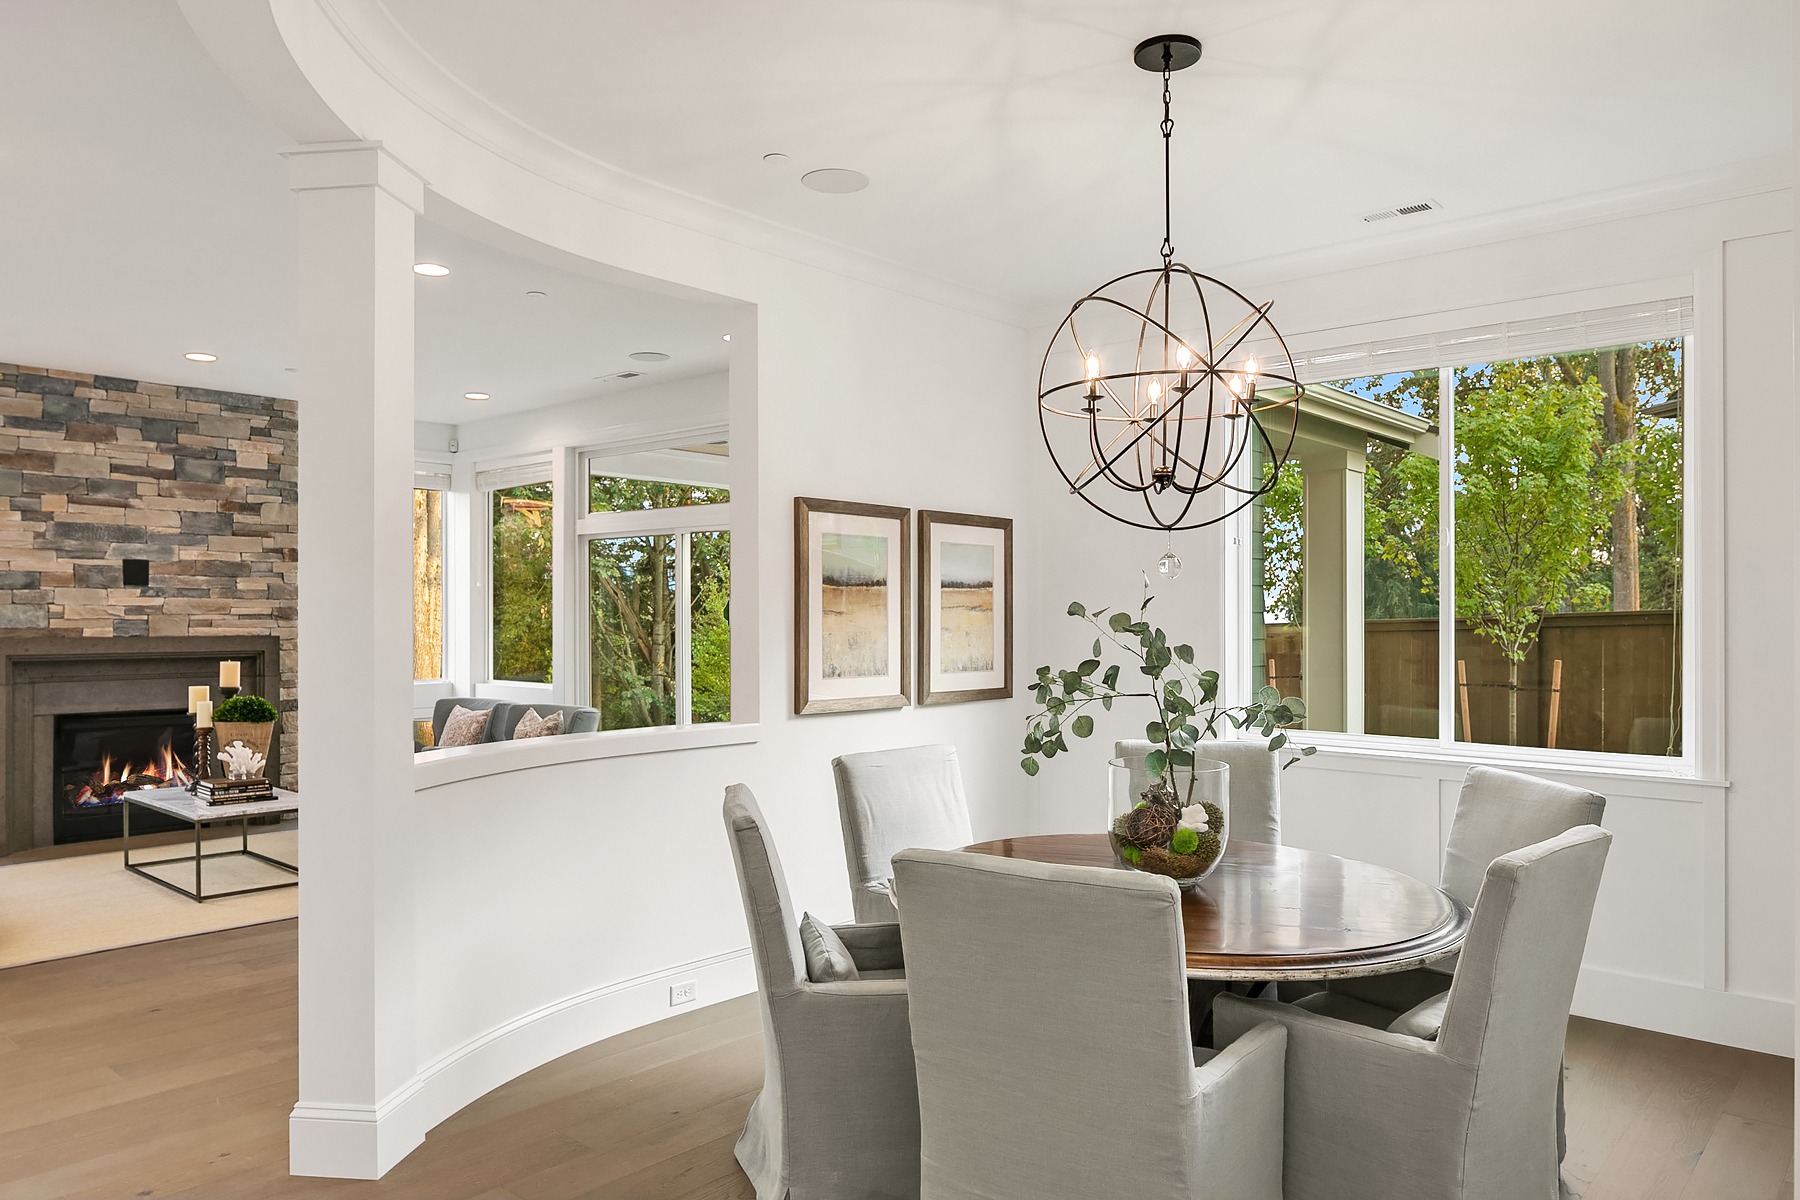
577, 718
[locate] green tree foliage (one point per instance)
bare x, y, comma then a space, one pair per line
521, 582
1283, 544
633, 627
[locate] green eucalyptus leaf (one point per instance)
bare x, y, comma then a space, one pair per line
1154, 763
1181, 758
1120, 622
1278, 741
1268, 695
1185, 653
1077, 609
1111, 678
1156, 732
1083, 726
1097, 647
1106, 703
1030, 766
1088, 667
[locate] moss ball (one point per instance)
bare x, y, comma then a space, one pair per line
1185, 841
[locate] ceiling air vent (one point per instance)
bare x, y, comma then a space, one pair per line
621, 376
1404, 210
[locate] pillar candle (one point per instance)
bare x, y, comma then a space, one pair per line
198, 695
228, 674
203, 715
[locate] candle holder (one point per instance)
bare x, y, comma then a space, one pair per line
203, 756
228, 693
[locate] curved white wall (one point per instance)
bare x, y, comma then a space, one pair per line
547, 907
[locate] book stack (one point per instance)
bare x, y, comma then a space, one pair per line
232, 791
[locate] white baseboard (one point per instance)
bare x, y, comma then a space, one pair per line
1685, 1010
342, 1141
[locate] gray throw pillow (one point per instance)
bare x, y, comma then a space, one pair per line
827, 958
465, 726
531, 725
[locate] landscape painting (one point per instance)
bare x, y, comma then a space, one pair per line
965, 608
852, 606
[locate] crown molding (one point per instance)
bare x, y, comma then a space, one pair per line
386, 49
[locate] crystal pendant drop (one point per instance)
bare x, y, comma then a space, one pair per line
1169, 565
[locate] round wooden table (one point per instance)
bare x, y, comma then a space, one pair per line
1276, 912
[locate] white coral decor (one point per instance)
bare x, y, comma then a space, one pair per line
241, 762
1194, 817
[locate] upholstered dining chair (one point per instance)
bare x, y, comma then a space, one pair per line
1254, 795
838, 1115
890, 800
1380, 1115
1050, 1027
1497, 812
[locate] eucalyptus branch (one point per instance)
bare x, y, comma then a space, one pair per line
1186, 698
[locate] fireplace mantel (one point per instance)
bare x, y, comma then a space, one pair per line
43, 675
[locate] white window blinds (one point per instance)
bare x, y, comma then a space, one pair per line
507, 477
1595, 329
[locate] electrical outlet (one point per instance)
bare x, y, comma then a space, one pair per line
685, 992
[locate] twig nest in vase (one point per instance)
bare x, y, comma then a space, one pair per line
1150, 825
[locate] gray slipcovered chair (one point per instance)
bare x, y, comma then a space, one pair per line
577, 718
1497, 812
1050, 1026
890, 800
1254, 795
1379, 1115
838, 1115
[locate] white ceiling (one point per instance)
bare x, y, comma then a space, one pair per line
144, 210
1013, 146
144, 213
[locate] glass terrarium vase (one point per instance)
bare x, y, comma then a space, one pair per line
1176, 824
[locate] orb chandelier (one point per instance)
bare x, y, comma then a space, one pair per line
1158, 383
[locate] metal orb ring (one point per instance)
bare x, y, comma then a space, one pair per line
1157, 387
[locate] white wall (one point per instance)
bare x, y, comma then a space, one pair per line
549, 906
1694, 929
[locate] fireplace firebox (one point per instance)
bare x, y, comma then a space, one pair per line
101, 757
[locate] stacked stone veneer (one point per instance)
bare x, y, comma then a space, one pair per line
94, 470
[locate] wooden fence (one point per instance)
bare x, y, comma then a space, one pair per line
1621, 680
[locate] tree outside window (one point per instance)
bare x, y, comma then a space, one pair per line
521, 582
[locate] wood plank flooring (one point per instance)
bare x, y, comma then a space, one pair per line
168, 1070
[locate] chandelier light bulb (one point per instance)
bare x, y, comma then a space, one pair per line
1250, 366
1185, 357
1093, 366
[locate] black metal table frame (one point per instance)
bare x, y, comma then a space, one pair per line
198, 894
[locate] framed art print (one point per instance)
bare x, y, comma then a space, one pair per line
965, 608
852, 606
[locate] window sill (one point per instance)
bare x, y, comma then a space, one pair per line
1590, 764
438, 768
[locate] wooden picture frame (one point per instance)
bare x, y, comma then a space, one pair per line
965, 648
852, 606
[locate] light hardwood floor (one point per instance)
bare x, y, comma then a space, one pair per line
167, 1071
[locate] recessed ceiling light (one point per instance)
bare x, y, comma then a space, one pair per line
727, 337
648, 356
835, 180
431, 270
294, 369
776, 157
476, 396
200, 356
534, 295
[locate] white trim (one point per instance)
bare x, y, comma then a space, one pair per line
359, 1141
437, 768
640, 522
1632, 767
1760, 1023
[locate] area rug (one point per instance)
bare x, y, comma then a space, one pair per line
62, 907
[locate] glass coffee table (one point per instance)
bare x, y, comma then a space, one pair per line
178, 803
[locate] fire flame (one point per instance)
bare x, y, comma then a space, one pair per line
164, 769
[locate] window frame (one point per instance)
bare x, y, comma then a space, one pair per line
681, 523
490, 478
1700, 619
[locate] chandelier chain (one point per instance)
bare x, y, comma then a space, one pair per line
1168, 129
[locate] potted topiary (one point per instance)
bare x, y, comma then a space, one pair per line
246, 723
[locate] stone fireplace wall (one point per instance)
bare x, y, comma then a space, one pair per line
95, 470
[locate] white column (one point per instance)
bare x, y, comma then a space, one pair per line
1333, 550
356, 210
